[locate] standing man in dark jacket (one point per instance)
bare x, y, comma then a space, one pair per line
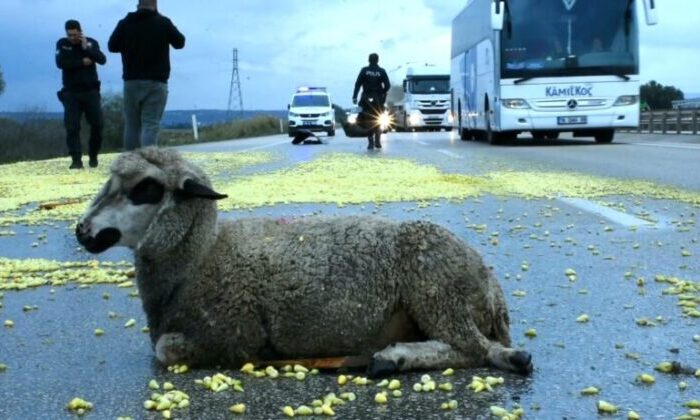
375, 85
144, 38
76, 55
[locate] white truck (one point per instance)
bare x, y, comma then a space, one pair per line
426, 100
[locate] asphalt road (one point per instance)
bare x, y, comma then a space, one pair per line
52, 355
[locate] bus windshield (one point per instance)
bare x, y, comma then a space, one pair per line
439, 84
569, 38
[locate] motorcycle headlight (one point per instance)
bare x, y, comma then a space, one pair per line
352, 119
626, 100
384, 120
515, 103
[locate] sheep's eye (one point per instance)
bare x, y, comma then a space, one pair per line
104, 191
148, 191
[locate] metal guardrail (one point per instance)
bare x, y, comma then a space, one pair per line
674, 121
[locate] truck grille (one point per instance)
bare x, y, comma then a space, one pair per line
440, 104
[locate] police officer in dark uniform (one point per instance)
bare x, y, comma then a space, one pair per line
375, 85
77, 55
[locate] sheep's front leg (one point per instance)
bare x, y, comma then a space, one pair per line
173, 349
430, 354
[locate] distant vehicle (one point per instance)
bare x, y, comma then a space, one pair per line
311, 109
352, 126
426, 101
546, 66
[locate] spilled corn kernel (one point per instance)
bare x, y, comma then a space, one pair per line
645, 378
237, 408
606, 407
79, 405
380, 398
591, 390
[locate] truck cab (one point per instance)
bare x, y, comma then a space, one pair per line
311, 109
426, 101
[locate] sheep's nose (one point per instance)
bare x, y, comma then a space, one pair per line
82, 230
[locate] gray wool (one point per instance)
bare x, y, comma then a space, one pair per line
257, 288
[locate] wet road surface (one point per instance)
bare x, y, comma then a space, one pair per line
52, 354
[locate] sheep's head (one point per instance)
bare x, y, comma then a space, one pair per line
149, 201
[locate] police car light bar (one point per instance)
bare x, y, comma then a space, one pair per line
311, 88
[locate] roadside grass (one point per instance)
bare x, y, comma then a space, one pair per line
38, 138
254, 127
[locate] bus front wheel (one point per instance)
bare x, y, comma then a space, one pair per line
465, 134
604, 136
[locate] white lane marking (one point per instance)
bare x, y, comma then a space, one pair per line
422, 143
450, 154
265, 146
610, 214
671, 145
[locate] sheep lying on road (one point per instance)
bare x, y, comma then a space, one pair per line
411, 295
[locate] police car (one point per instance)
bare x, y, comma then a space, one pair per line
311, 109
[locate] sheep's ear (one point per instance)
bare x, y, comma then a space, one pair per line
193, 189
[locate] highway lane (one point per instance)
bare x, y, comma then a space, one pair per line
617, 245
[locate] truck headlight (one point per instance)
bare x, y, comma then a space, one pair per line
515, 103
626, 100
450, 117
414, 118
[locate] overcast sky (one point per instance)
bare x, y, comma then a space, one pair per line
283, 44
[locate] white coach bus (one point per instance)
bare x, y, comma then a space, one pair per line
546, 67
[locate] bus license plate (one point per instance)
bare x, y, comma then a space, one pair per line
572, 120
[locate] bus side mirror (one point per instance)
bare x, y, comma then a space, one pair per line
405, 84
288, 106
650, 12
497, 9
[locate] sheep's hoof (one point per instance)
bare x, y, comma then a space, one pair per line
521, 362
380, 367
172, 348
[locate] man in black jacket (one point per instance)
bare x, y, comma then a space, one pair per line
144, 38
375, 85
76, 55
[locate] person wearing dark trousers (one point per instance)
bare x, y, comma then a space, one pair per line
375, 84
144, 38
77, 56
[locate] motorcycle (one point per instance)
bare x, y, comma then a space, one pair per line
368, 118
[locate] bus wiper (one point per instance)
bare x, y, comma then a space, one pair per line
523, 79
622, 76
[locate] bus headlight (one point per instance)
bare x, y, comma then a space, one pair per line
626, 100
515, 103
